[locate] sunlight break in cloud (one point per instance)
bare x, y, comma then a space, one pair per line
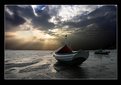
37, 8
68, 12
8, 11
61, 32
28, 32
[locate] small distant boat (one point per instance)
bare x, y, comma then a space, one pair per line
65, 55
102, 52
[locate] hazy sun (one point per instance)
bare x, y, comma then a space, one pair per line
23, 34
33, 35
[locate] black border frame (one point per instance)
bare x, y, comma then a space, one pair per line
51, 2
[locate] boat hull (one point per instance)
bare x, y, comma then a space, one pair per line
77, 61
72, 59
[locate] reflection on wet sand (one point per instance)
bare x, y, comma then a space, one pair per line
69, 71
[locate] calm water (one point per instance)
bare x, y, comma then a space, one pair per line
30, 64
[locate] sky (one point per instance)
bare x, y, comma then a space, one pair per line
43, 27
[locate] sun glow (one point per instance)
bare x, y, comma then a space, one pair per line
31, 35
23, 34
32, 38
61, 32
42, 35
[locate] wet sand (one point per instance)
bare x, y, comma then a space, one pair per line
41, 65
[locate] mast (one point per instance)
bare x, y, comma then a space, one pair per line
67, 43
66, 39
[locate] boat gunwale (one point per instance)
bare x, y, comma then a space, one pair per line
65, 54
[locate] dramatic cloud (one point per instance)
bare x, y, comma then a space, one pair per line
67, 12
102, 16
21, 12
12, 18
85, 25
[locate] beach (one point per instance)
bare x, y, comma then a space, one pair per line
41, 65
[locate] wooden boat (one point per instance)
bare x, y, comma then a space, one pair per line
75, 58
66, 56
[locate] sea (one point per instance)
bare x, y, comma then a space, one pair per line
41, 65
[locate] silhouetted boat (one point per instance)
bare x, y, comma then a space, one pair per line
65, 55
102, 52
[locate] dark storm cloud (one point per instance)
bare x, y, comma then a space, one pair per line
20, 13
104, 17
14, 19
26, 11
42, 20
99, 29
